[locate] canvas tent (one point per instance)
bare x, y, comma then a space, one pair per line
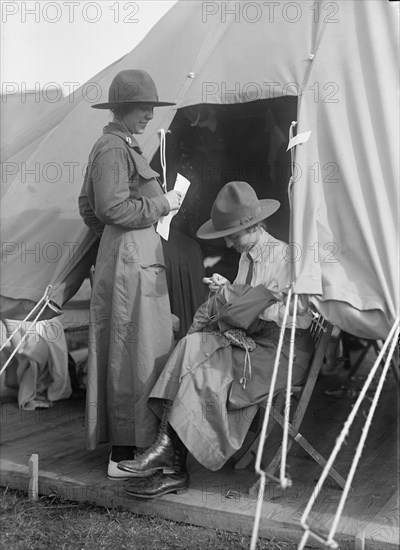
337, 59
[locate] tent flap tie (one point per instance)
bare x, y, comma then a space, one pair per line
163, 158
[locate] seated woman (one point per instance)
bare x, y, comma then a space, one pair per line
210, 388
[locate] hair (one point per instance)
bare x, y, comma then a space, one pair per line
254, 227
121, 110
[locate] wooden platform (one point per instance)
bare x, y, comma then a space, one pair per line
221, 499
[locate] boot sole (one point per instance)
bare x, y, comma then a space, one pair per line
166, 492
123, 478
147, 473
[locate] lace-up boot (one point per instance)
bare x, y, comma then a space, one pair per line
160, 484
159, 456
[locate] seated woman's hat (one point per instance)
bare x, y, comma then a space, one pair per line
132, 86
235, 208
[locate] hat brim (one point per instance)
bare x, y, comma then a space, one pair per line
119, 103
208, 231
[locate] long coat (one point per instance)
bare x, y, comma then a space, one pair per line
130, 334
212, 409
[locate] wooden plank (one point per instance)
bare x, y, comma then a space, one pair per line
192, 507
68, 469
384, 528
15, 422
206, 509
44, 444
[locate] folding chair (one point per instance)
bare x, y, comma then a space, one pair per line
320, 331
376, 345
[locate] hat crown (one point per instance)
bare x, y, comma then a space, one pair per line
235, 205
132, 85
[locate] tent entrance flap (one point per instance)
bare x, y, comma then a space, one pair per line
213, 144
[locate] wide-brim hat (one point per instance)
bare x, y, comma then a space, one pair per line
236, 207
130, 87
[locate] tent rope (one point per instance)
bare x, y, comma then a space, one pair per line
292, 162
285, 482
283, 477
329, 542
163, 158
46, 299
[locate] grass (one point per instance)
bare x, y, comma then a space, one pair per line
52, 523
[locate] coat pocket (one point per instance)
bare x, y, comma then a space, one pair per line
153, 280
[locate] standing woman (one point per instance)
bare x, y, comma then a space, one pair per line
130, 334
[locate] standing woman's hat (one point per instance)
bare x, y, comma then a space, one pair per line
132, 86
235, 208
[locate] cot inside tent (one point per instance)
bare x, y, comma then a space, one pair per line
332, 66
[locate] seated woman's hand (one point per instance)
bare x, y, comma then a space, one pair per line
215, 281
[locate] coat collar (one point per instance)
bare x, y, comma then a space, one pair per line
118, 129
256, 253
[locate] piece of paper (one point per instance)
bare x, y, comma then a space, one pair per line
182, 185
300, 138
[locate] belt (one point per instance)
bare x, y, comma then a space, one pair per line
262, 324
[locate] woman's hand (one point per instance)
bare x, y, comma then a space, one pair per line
303, 303
174, 199
215, 281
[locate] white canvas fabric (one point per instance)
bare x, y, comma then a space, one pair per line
340, 62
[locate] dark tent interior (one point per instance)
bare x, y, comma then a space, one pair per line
211, 145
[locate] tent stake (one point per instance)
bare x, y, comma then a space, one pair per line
33, 477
